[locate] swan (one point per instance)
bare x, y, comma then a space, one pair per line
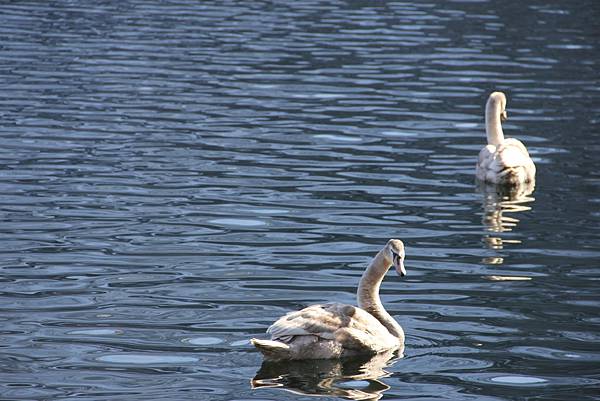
502, 161
335, 330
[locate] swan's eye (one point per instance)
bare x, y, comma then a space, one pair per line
396, 253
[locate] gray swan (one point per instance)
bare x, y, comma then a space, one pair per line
336, 330
502, 161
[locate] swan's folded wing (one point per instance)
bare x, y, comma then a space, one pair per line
486, 154
315, 320
486, 157
328, 322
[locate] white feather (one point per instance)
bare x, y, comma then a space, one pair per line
502, 161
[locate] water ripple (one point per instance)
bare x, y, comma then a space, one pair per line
177, 175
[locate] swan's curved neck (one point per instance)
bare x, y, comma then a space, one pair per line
493, 125
368, 294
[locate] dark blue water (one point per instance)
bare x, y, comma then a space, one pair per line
176, 175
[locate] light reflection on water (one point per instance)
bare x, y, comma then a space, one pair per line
501, 206
354, 379
174, 176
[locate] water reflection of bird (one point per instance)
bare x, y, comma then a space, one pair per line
354, 378
499, 204
337, 330
502, 161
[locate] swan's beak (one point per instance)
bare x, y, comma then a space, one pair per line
503, 115
399, 265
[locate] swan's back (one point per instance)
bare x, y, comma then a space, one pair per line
506, 163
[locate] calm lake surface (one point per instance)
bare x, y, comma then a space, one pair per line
176, 175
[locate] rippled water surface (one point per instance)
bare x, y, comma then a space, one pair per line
176, 175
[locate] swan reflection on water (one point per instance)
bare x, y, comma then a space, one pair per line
354, 378
500, 204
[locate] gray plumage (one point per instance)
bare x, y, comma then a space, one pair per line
335, 330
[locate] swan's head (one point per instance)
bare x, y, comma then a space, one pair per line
496, 104
395, 255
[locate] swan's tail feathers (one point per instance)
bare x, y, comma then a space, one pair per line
272, 349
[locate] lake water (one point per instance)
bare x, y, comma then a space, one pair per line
176, 175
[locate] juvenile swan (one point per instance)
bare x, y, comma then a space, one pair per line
502, 161
336, 330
